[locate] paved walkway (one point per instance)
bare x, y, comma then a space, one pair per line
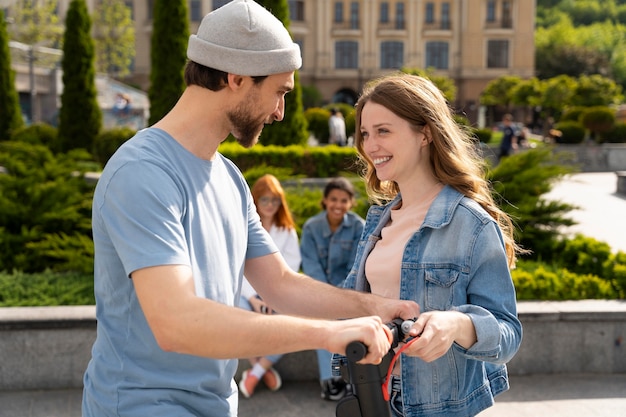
530, 396
601, 213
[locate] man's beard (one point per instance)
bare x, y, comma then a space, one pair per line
246, 128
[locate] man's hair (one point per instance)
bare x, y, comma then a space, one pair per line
211, 78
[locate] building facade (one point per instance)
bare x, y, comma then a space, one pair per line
345, 43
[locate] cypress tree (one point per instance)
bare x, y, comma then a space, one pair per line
293, 130
10, 112
168, 55
80, 118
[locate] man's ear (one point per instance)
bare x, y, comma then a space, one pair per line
235, 81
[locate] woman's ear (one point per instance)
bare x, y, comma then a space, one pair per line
428, 138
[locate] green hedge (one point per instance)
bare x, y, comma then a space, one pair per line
45, 289
310, 162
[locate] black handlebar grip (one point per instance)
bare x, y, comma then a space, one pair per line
356, 351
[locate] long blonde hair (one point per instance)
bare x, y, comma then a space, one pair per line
454, 157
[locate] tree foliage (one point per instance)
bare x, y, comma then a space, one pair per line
443, 83
114, 36
10, 113
168, 55
36, 23
293, 129
80, 117
567, 48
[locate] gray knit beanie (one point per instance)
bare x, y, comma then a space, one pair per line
244, 38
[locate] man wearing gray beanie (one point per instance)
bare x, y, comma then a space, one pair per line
175, 228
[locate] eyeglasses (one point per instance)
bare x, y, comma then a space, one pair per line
266, 201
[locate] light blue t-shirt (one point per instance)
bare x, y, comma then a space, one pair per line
158, 204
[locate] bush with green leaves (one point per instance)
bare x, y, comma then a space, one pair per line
39, 134
616, 135
571, 132
45, 210
483, 135
45, 289
317, 119
107, 142
598, 120
572, 114
538, 281
312, 162
519, 183
586, 255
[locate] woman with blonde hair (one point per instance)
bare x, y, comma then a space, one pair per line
435, 236
271, 205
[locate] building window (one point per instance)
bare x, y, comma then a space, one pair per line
430, 13
219, 3
346, 54
498, 54
491, 11
195, 10
354, 15
338, 12
507, 17
384, 12
445, 16
296, 10
400, 15
391, 55
437, 55
150, 8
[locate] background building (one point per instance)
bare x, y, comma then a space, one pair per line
346, 43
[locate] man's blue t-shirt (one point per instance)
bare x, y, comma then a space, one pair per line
158, 204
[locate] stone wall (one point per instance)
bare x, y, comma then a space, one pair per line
49, 347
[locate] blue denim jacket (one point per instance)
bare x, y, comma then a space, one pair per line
328, 256
455, 261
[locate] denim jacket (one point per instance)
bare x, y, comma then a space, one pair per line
328, 256
455, 261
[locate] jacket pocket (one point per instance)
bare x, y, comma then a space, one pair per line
439, 286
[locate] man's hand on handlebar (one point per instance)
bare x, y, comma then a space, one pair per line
370, 331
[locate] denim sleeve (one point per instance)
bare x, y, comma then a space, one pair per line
491, 297
311, 264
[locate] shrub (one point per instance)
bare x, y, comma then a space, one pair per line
45, 289
107, 142
45, 210
519, 182
534, 281
614, 269
317, 119
572, 132
312, 162
572, 114
39, 134
616, 135
253, 174
598, 120
483, 135
583, 255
